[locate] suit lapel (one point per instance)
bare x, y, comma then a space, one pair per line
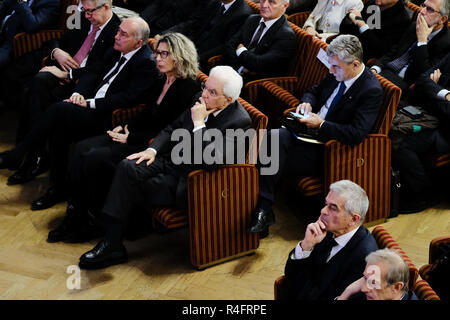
270, 34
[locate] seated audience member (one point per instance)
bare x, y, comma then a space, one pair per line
300, 6
327, 16
423, 45
23, 16
386, 277
343, 106
376, 39
331, 255
129, 71
265, 44
157, 176
79, 49
411, 156
212, 30
161, 15
95, 159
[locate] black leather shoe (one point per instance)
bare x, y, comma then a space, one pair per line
103, 255
9, 161
30, 169
262, 219
48, 200
69, 223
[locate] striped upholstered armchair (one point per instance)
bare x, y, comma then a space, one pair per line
25, 42
220, 204
384, 240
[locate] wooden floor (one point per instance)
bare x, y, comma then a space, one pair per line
159, 267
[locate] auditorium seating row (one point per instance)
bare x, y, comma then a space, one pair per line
384, 240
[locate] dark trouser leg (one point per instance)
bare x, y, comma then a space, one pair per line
296, 157
398, 81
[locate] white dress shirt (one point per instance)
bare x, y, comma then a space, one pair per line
342, 241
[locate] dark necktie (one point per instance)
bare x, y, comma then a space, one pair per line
257, 35
112, 74
397, 65
328, 245
337, 97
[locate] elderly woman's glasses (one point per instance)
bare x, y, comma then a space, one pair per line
163, 54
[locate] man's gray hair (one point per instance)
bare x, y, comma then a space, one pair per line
231, 80
100, 2
397, 269
142, 30
356, 198
347, 47
444, 7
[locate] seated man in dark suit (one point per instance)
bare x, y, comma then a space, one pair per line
377, 39
18, 16
423, 45
410, 158
343, 106
331, 255
122, 82
78, 48
386, 277
212, 30
158, 177
264, 46
300, 6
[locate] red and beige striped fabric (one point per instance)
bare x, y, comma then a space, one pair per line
253, 5
423, 291
299, 18
220, 206
385, 240
440, 161
26, 42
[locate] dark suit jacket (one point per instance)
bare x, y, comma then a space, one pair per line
41, 13
355, 114
72, 40
376, 42
424, 57
427, 91
232, 117
128, 88
272, 55
148, 123
211, 31
311, 279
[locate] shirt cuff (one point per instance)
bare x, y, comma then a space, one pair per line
320, 126
299, 253
377, 68
441, 94
240, 50
421, 44
51, 54
198, 128
364, 28
91, 103
153, 149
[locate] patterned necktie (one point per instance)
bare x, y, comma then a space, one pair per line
397, 65
257, 35
337, 97
86, 46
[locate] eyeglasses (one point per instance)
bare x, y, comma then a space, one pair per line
429, 9
163, 54
91, 11
212, 92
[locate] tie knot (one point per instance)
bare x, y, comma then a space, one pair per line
222, 8
262, 25
95, 28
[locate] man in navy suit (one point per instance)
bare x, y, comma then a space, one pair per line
386, 277
122, 81
73, 51
265, 44
331, 255
343, 106
23, 16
